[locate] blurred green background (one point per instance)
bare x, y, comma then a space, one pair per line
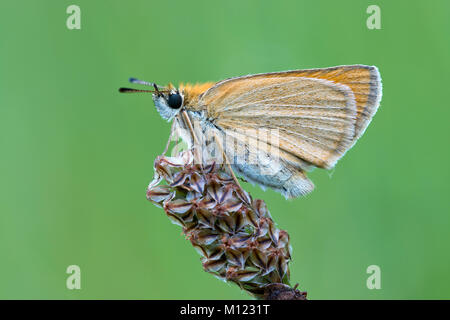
76, 156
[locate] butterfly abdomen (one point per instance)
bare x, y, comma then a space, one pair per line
297, 185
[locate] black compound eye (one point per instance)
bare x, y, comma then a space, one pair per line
175, 100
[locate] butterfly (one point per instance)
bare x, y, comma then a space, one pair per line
272, 128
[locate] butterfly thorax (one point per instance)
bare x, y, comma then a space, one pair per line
192, 93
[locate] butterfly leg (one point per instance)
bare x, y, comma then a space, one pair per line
219, 145
227, 162
170, 138
196, 146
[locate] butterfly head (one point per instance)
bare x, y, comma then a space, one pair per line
168, 101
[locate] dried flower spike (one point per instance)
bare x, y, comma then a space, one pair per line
234, 234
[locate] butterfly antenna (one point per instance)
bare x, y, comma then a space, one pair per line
145, 83
130, 90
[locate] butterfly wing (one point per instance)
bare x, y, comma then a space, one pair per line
364, 81
317, 115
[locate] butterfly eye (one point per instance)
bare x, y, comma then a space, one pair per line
175, 100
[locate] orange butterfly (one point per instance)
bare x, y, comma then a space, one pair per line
273, 127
